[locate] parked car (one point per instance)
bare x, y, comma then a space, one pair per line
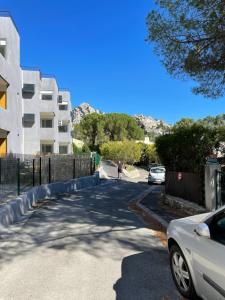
197, 255
151, 165
156, 175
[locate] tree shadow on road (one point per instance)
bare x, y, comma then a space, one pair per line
82, 221
146, 276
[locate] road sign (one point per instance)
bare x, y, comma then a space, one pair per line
179, 176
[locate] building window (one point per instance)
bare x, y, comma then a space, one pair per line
3, 47
63, 149
46, 97
28, 120
63, 107
63, 128
28, 90
60, 99
46, 148
46, 123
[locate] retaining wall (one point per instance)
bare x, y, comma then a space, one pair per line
15, 209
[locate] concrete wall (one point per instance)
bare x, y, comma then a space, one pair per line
210, 185
11, 118
31, 105
66, 138
15, 210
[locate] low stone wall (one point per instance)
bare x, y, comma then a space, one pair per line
14, 210
188, 207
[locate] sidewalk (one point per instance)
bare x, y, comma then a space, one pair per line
153, 205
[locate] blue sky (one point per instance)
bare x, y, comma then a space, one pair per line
97, 49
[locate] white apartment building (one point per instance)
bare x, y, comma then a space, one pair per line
10, 88
35, 115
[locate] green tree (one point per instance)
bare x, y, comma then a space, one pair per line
95, 129
120, 127
77, 150
151, 154
186, 147
148, 154
127, 151
185, 122
91, 130
189, 38
86, 149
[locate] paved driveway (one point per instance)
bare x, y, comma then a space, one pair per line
85, 246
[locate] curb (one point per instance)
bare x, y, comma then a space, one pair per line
147, 211
141, 196
153, 215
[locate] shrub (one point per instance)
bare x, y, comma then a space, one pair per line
127, 151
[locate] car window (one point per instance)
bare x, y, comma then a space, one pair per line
157, 170
217, 229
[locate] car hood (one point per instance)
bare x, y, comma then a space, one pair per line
194, 219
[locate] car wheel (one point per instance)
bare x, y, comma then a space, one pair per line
181, 273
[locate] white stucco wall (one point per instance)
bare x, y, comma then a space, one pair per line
11, 118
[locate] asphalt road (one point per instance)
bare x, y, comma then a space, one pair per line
85, 246
110, 170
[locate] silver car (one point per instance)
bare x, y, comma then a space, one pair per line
156, 175
197, 255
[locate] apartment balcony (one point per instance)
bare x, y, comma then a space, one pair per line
47, 103
65, 137
64, 115
47, 133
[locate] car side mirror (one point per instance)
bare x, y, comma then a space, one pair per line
202, 230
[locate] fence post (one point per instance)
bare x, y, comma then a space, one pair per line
90, 166
34, 172
49, 170
18, 176
80, 173
94, 166
40, 170
74, 168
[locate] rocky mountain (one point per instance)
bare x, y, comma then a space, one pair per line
81, 111
151, 126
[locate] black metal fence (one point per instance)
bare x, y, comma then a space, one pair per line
18, 173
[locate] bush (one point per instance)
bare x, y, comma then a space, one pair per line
77, 150
148, 154
187, 147
126, 152
85, 149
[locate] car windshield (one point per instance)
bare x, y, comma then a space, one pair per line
157, 170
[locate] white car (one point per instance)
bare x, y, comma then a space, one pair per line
197, 255
156, 175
